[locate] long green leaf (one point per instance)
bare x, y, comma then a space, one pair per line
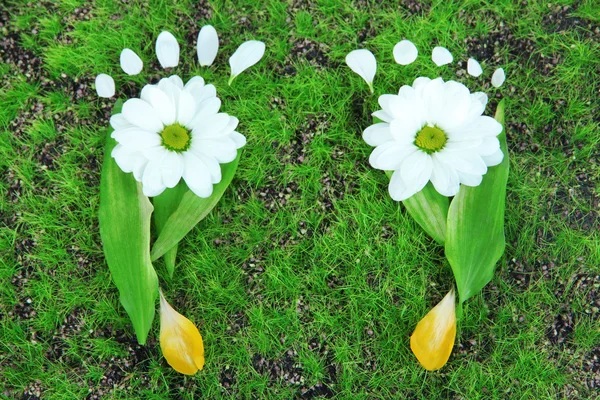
475, 233
430, 210
124, 217
165, 205
192, 210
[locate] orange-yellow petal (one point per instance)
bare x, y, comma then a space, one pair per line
433, 338
180, 340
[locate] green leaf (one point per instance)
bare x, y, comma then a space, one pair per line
124, 217
192, 210
475, 233
430, 210
165, 205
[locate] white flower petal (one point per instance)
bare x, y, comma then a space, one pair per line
203, 93
469, 179
171, 89
162, 104
197, 176
171, 168
433, 100
152, 184
464, 161
204, 110
404, 132
130, 160
416, 171
196, 80
377, 134
405, 52
212, 126
118, 121
419, 85
176, 80
186, 108
498, 78
238, 139
398, 189
167, 50
488, 146
136, 138
474, 68
213, 167
105, 86
478, 103
494, 159
441, 56
142, 114
222, 148
248, 54
208, 45
480, 127
155, 153
208, 107
364, 64
382, 115
131, 63
390, 155
445, 179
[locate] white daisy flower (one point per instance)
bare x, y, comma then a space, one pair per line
433, 131
174, 131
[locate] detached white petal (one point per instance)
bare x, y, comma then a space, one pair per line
364, 64
208, 45
248, 54
167, 50
441, 56
105, 86
405, 52
474, 68
498, 78
131, 63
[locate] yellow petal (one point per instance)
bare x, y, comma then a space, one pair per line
180, 340
433, 338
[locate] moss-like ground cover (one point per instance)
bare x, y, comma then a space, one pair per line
307, 279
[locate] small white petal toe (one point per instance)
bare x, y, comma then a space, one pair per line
248, 54
498, 78
167, 50
131, 63
363, 62
474, 68
441, 56
208, 45
405, 52
105, 86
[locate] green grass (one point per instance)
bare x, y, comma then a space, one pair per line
356, 276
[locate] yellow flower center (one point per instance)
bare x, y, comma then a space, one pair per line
175, 137
431, 139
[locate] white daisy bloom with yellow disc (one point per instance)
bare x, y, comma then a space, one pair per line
433, 131
175, 131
